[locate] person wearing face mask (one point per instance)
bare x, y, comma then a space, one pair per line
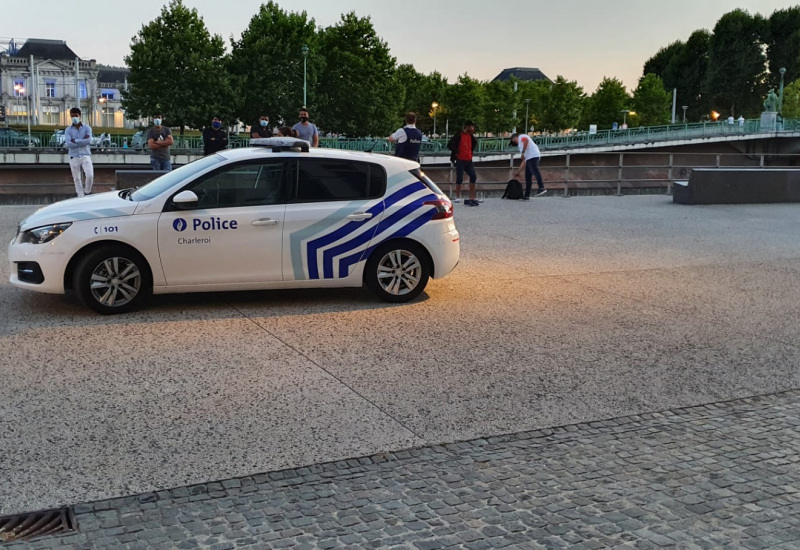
261, 128
214, 137
78, 138
305, 130
159, 139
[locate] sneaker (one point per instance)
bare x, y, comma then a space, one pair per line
454, 201
540, 192
525, 199
471, 202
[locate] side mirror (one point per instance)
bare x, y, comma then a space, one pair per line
185, 200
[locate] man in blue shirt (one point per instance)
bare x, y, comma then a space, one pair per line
78, 138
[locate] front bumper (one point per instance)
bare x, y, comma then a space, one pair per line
50, 261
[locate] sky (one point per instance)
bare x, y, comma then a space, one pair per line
582, 40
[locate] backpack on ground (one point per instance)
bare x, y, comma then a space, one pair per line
513, 190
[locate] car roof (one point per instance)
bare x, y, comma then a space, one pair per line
245, 153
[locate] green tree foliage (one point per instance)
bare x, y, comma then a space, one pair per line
783, 45
563, 105
663, 64
498, 107
464, 101
419, 93
355, 88
735, 79
791, 100
538, 91
178, 68
651, 101
267, 65
608, 101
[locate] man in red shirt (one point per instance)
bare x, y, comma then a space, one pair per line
462, 145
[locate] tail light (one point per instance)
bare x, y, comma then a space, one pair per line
444, 208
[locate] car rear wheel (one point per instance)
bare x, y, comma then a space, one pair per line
112, 279
398, 271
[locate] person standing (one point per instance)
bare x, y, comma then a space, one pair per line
214, 137
408, 138
78, 139
159, 140
462, 145
261, 128
530, 155
305, 130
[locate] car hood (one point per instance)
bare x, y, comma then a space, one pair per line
93, 207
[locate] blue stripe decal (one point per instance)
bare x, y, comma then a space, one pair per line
313, 246
406, 211
347, 262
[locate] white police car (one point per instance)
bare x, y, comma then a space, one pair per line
276, 215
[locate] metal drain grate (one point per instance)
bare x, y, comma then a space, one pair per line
37, 524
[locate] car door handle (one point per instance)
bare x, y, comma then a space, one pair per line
265, 221
359, 216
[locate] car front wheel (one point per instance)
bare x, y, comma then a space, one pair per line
112, 279
398, 271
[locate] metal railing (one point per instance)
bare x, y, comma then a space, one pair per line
486, 145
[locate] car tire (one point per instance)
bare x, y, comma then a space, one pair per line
112, 279
398, 271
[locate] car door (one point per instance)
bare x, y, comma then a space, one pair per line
234, 235
333, 211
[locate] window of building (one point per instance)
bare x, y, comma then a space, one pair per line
107, 95
51, 115
82, 85
19, 87
339, 180
50, 88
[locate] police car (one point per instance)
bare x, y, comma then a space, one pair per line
275, 215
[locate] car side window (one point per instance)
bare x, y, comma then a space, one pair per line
251, 184
338, 180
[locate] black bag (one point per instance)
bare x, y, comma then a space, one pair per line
513, 190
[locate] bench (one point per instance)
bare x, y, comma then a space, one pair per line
738, 186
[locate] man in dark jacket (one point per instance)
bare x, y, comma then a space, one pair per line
462, 145
214, 137
408, 138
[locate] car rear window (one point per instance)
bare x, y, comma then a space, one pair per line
338, 180
420, 175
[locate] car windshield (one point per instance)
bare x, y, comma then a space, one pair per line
162, 183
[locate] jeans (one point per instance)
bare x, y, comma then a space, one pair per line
532, 169
468, 167
160, 164
75, 165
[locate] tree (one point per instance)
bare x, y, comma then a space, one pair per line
664, 63
735, 78
267, 64
538, 92
783, 45
563, 105
689, 70
608, 102
179, 69
357, 95
791, 100
419, 93
498, 107
464, 101
651, 101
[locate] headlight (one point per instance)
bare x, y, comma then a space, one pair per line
44, 234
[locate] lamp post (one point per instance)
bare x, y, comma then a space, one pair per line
304, 51
527, 120
102, 101
434, 106
684, 107
780, 95
625, 116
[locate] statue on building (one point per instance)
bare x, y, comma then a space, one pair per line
772, 102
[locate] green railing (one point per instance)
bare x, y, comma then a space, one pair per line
572, 140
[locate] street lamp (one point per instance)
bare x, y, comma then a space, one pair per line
527, 120
434, 106
625, 117
684, 107
102, 100
304, 51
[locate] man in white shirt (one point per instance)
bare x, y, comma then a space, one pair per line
530, 156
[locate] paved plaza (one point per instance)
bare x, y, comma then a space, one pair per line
583, 377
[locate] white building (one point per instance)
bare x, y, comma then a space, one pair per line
43, 78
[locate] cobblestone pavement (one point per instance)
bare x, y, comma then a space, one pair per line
717, 476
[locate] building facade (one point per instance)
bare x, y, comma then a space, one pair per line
43, 79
